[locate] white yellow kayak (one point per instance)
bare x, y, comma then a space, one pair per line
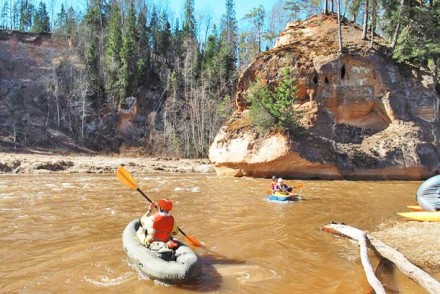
428, 216
415, 207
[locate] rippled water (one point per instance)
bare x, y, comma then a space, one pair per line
63, 233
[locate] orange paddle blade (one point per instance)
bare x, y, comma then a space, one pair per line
125, 177
193, 241
299, 186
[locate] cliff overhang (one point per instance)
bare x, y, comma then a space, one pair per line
364, 116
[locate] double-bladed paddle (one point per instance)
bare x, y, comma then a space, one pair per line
297, 186
127, 179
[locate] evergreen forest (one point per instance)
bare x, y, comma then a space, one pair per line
191, 65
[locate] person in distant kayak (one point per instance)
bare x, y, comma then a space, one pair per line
282, 187
273, 183
159, 227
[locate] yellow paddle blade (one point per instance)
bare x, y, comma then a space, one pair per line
125, 177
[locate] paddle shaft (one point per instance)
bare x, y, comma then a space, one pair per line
148, 198
127, 179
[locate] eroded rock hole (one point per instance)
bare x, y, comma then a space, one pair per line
326, 80
343, 72
315, 80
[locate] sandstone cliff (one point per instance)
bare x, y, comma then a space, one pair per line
364, 116
34, 117
27, 65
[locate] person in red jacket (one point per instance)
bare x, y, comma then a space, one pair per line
159, 227
273, 184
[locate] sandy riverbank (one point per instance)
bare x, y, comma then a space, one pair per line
34, 163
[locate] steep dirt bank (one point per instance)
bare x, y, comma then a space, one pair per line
34, 163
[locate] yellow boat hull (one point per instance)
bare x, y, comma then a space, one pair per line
428, 216
415, 207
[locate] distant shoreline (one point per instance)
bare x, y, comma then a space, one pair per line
35, 163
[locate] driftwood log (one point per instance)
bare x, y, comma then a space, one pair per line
413, 272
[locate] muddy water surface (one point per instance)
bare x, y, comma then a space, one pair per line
62, 233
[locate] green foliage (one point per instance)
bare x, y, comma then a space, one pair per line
224, 108
415, 42
113, 49
92, 67
127, 73
164, 36
41, 19
229, 33
295, 7
272, 110
256, 17
189, 23
26, 12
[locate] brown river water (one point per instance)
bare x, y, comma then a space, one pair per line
62, 233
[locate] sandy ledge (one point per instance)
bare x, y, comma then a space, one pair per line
32, 163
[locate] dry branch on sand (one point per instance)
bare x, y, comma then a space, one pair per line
416, 274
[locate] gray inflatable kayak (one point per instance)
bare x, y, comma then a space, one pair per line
182, 267
428, 194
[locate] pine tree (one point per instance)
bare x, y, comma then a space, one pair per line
251, 39
154, 30
143, 62
71, 22
229, 39
127, 73
41, 22
92, 28
189, 23
164, 36
417, 44
230, 28
112, 51
26, 15
295, 7
60, 22
4, 16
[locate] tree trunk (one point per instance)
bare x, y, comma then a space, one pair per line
325, 7
365, 26
396, 32
413, 272
339, 26
373, 26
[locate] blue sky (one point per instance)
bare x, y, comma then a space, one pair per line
214, 7
217, 7
203, 8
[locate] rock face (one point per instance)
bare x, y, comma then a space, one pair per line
27, 63
364, 116
20, 77
33, 117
